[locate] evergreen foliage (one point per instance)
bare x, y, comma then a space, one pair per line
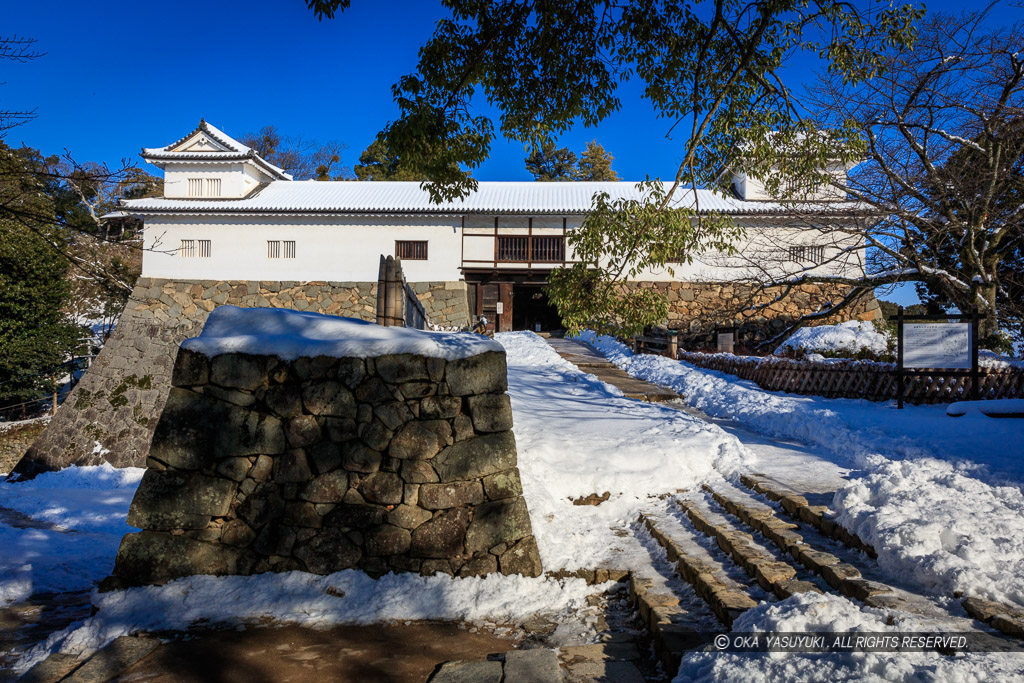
35, 333
596, 164
378, 163
550, 164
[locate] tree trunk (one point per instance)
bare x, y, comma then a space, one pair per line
989, 324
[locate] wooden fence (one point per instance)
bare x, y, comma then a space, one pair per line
857, 379
397, 303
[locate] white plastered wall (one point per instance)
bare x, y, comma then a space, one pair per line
342, 249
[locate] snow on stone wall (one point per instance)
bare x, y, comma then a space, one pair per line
402, 462
120, 398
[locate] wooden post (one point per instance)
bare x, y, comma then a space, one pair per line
400, 312
975, 373
381, 274
672, 345
389, 294
899, 357
55, 394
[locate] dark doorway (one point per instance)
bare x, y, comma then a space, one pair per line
530, 308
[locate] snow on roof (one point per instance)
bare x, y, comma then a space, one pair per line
519, 197
290, 334
234, 150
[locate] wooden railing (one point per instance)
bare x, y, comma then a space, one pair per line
857, 379
530, 249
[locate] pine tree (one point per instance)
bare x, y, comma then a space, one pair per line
549, 164
596, 164
375, 163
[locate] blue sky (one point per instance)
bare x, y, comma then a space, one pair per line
118, 76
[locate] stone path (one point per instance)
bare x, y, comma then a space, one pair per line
587, 358
602, 642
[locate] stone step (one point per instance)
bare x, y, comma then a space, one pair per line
772, 571
1006, 619
797, 507
848, 571
843, 577
726, 597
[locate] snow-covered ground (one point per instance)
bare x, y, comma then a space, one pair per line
929, 506
939, 497
77, 521
577, 435
829, 614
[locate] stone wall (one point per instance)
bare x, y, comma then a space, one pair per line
696, 308
15, 439
396, 463
111, 414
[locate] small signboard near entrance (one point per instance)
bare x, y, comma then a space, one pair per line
939, 347
726, 342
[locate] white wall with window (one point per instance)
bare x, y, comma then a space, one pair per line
339, 249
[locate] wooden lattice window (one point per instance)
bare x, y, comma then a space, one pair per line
806, 253
411, 250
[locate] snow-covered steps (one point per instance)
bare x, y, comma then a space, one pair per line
1003, 618
772, 571
726, 597
841, 576
797, 507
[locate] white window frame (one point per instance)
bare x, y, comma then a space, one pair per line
195, 187
187, 249
213, 187
204, 249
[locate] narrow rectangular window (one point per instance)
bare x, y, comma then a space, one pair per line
195, 187
807, 253
187, 248
273, 248
289, 249
213, 187
204, 248
411, 250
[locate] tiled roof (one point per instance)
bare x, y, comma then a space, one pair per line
236, 151
527, 197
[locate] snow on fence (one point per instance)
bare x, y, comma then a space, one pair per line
857, 379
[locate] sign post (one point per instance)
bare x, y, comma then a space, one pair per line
939, 347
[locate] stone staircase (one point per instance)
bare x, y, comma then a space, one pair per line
738, 547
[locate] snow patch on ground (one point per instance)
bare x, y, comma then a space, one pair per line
848, 337
347, 597
291, 334
577, 435
829, 613
931, 495
951, 533
77, 521
852, 430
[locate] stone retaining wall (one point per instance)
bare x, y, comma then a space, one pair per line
111, 414
397, 463
696, 308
